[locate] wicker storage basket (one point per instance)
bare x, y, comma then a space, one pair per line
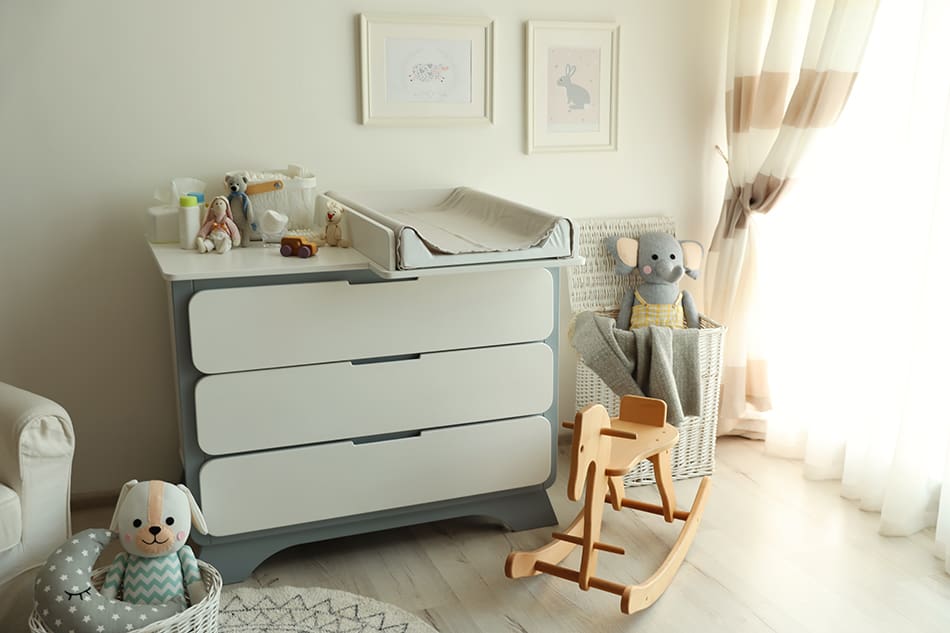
198, 618
597, 287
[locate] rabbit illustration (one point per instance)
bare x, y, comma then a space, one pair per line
577, 96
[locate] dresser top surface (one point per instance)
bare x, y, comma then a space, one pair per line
178, 264
258, 260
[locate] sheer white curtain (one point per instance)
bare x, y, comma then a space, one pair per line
857, 288
790, 65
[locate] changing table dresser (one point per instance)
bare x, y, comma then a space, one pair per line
318, 398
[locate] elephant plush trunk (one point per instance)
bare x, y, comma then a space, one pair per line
670, 274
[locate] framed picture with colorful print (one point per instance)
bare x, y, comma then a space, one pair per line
423, 70
571, 86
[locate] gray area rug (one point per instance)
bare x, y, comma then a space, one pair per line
311, 610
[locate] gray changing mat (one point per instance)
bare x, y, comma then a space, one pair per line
461, 226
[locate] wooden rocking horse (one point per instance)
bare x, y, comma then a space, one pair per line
602, 452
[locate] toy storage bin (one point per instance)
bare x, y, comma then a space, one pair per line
595, 286
292, 191
198, 618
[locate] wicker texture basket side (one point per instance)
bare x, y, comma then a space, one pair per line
198, 618
595, 286
695, 453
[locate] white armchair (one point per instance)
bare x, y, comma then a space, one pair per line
36, 457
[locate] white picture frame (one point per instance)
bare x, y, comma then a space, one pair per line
571, 89
426, 70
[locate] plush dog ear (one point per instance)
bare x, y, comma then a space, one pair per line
114, 526
197, 519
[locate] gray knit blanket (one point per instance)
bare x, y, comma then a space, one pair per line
657, 362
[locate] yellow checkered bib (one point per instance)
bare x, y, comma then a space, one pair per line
662, 314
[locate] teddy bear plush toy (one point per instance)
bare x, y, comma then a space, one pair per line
236, 183
218, 232
332, 234
152, 521
662, 261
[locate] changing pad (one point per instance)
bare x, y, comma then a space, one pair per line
452, 227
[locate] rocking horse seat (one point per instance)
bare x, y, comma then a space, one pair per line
649, 441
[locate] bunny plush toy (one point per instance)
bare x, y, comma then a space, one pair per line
662, 261
218, 233
152, 521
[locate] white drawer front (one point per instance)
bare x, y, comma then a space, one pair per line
235, 329
244, 493
271, 408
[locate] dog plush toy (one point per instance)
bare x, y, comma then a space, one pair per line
236, 183
219, 232
662, 262
332, 235
153, 520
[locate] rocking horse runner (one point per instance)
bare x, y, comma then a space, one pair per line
602, 452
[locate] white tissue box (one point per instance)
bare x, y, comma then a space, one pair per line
161, 224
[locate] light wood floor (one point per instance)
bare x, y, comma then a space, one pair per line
774, 553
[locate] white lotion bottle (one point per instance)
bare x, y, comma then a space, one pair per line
189, 221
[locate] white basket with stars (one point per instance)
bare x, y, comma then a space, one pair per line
198, 618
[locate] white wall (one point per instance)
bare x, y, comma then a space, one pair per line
102, 101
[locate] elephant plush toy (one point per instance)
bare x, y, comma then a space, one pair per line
662, 261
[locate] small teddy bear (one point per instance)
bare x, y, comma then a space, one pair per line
152, 521
236, 183
332, 234
218, 232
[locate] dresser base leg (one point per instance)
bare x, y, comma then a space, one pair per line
525, 511
237, 561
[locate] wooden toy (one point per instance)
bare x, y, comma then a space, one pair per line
296, 245
602, 452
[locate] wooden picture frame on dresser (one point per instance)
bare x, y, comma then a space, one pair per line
318, 399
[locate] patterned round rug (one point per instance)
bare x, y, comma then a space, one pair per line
311, 610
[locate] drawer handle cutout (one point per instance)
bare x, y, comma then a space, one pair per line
386, 437
386, 359
367, 282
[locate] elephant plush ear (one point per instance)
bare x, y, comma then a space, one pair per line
692, 257
114, 526
627, 249
624, 250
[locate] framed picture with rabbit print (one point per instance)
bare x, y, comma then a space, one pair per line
571, 86
419, 71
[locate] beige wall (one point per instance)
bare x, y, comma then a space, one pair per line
102, 101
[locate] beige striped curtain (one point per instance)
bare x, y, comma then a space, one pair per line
790, 68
